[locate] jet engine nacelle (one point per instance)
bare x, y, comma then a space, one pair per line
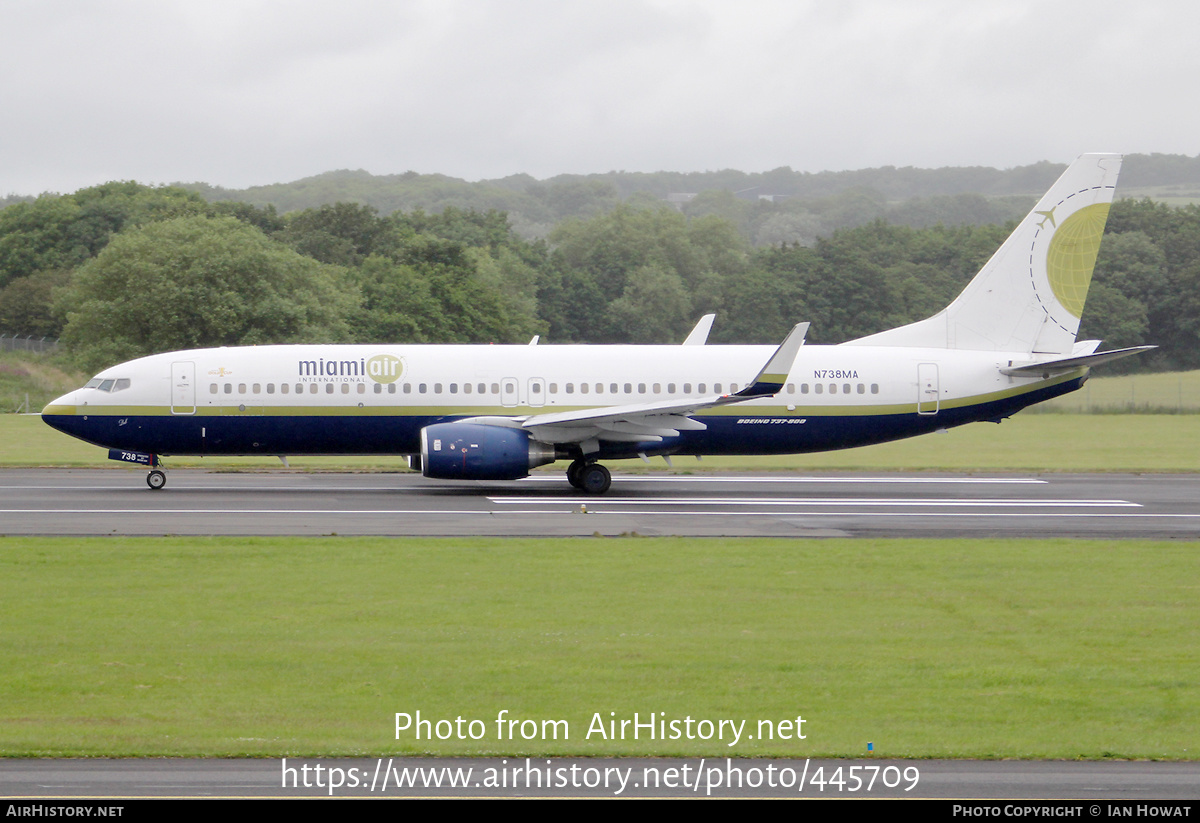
472, 451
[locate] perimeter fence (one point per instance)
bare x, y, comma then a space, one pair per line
1163, 393
27, 342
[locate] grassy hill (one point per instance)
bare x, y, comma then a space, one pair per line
30, 381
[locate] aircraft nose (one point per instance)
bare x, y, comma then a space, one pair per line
59, 411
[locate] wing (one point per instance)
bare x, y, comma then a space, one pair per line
642, 422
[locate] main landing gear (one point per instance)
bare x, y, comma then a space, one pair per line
589, 477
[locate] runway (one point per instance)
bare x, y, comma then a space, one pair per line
198, 502
1128, 783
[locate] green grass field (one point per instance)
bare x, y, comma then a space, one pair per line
257, 646
1166, 392
1026, 442
282, 646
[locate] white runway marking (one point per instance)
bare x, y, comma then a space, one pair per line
817, 501
230, 482
786, 479
596, 512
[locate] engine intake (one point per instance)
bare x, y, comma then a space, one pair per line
474, 451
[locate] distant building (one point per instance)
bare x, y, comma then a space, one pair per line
678, 199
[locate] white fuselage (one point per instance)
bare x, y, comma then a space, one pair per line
834, 396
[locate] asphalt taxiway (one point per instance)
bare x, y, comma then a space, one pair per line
1127, 783
195, 502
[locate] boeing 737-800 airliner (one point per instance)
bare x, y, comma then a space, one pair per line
496, 412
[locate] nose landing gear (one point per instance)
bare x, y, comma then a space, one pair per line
156, 479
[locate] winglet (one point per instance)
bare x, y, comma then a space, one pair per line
773, 375
699, 335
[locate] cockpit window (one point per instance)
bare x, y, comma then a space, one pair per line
109, 385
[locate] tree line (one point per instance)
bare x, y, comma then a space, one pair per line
122, 269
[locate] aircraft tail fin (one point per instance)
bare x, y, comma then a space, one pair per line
1029, 296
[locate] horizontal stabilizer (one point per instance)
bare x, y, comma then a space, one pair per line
1045, 368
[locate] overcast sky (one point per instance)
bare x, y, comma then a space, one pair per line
245, 92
